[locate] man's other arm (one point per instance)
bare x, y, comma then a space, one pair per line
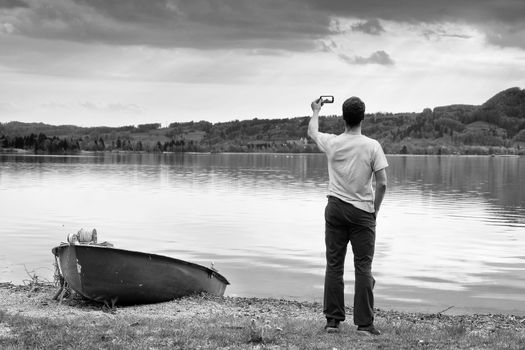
380, 177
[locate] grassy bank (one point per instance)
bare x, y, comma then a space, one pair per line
30, 319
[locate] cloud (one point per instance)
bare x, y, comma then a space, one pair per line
372, 27
291, 25
55, 106
7, 28
504, 36
440, 32
7, 107
111, 107
328, 46
428, 11
378, 57
502, 21
11, 4
200, 24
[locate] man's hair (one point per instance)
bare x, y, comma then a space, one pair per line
353, 111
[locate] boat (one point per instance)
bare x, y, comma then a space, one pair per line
118, 276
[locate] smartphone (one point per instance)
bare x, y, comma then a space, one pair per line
326, 99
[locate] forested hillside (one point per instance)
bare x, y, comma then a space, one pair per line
495, 127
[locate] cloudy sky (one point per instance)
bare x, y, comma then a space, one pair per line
124, 62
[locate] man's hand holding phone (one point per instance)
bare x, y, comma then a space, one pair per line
318, 103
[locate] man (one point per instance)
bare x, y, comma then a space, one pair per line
350, 215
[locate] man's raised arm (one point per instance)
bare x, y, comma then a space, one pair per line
313, 125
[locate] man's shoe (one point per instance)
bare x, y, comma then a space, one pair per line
369, 330
332, 325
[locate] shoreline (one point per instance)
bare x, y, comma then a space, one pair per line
210, 322
23, 152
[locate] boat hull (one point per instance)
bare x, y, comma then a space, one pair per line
118, 276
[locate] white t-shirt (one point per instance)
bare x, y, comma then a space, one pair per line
352, 161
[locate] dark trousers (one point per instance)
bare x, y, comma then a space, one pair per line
345, 223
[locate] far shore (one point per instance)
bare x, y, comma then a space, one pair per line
19, 151
30, 318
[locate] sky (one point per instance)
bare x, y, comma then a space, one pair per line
129, 62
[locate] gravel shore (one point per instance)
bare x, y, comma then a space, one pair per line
36, 302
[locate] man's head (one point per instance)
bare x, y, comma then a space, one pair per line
353, 111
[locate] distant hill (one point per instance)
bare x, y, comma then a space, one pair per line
495, 127
509, 103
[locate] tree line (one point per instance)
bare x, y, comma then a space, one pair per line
497, 126
44, 144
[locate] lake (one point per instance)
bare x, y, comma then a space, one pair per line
451, 232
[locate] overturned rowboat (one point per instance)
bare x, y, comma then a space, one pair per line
118, 276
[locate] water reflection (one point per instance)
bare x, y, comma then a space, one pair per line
451, 231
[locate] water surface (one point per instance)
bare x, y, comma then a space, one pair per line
451, 231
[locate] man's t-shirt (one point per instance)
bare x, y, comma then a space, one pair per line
352, 161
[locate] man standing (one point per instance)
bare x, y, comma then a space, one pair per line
350, 215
